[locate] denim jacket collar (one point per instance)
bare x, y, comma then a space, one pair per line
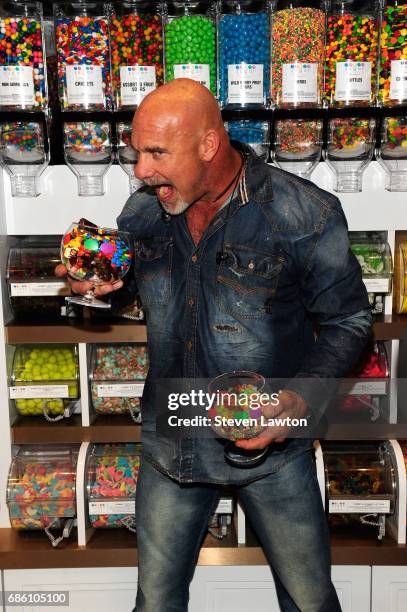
256, 183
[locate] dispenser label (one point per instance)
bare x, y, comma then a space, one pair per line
377, 285
39, 289
120, 390
112, 507
245, 83
196, 72
135, 83
16, 86
300, 82
84, 84
39, 391
398, 80
364, 387
345, 506
353, 81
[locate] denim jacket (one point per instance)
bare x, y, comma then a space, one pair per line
272, 264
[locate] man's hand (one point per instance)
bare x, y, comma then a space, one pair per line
290, 405
82, 287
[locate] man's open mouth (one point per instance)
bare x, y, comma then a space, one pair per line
164, 191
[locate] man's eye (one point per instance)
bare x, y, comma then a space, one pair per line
157, 154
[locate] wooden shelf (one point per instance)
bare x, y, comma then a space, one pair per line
116, 428
126, 331
118, 548
388, 327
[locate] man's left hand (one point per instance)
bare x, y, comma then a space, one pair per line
290, 405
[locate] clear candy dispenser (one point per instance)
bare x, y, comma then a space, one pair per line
112, 471
117, 375
44, 380
126, 155
88, 153
297, 145
349, 151
24, 153
41, 489
361, 484
392, 154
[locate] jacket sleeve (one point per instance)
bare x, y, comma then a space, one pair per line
334, 296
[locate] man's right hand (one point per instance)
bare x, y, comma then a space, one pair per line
82, 287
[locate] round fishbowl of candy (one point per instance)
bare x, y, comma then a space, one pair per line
236, 414
96, 254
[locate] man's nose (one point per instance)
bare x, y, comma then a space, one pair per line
144, 168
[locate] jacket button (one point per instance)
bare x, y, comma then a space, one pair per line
251, 265
194, 258
191, 301
189, 345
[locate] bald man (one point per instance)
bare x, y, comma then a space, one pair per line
235, 262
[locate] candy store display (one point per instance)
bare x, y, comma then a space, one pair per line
45, 380
35, 293
367, 393
97, 254
393, 54
112, 471
82, 42
297, 145
400, 277
190, 42
117, 375
351, 53
349, 151
244, 53
41, 487
23, 83
298, 40
136, 42
375, 260
88, 153
236, 413
24, 156
361, 483
392, 154
254, 133
126, 155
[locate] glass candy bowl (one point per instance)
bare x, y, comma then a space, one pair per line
96, 254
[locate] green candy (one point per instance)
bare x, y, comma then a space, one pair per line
191, 40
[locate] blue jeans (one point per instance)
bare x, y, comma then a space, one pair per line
285, 510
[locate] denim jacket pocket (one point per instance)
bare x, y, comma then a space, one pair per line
246, 281
153, 268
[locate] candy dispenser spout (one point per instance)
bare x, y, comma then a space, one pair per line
25, 186
90, 185
348, 183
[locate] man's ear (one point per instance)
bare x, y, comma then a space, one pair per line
209, 145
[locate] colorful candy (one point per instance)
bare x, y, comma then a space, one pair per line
239, 403
83, 62
112, 482
22, 141
46, 366
190, 49
298, 137
87, 137
395, 137
351, 57
350, 137
355, 475
116, 364
244, 59
22, 63
41, 490
137, 53
94, 253
297, 56
393, 64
